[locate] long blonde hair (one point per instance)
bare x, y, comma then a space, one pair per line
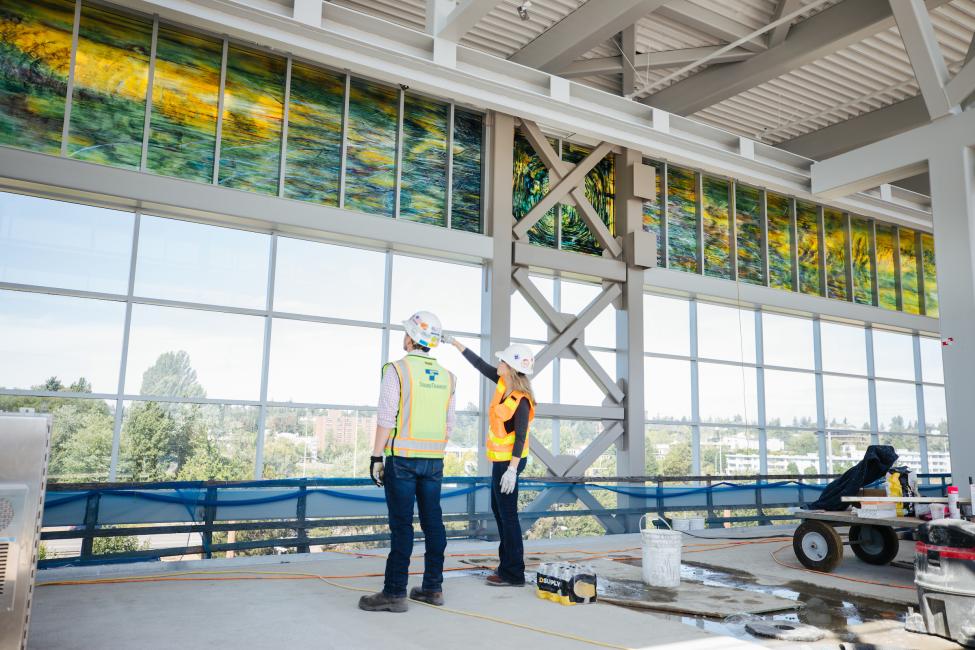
520, 382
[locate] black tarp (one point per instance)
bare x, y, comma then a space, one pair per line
876, 461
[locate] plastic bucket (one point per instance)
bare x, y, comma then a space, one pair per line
681, 523
661, 556
696, 523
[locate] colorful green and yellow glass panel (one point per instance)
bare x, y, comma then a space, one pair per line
653, 210
465, 201
836, 263
930, 275
717, 228
111, 77
314, 159
779, 214
682, 219
423, 186
370, 163
185, 99
253, 112
887, 280
807, 247
748, 221
861, 247
35, 57
530, 184
910, 294
600, 189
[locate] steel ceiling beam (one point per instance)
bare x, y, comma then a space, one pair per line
588, 26
778, 35
652, 61
921, 43
860, 130
454, 24
709, 22
814, 38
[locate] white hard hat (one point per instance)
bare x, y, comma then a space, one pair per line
519, 357
424, 328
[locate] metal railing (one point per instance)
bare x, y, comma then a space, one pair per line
90, 511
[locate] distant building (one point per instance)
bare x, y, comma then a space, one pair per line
340, 427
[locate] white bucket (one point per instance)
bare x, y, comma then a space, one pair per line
681, 523
661, 556
696, 523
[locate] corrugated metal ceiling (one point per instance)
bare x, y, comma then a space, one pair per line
866, 76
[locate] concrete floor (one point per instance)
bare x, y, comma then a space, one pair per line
312, 613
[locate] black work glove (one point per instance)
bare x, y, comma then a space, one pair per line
376, 470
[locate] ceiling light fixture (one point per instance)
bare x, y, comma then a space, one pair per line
523, 9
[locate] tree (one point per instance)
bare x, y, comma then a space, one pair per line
53, 385
208, 464
678, 460
172, 375
792, 468
148, 432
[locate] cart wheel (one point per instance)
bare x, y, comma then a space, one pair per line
817, 545
874, 544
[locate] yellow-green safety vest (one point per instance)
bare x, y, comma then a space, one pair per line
425, 388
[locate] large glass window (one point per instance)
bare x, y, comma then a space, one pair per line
317, 442
179, 260
727, 450
668, 389
893, 355
935, 410
788, 341
727, 393
844, 348
896, 406
321, 363
668, 450
931, 362
726, 333
575, 297
58, 244
667, 323
525, 321
576, 387
329, 280
930, 275
836, 241
910, 295
653, 209
790, 398
792, 451
846, 402
192, 353
861, 245
60, 343
600, 191
465, 205
887, 280
451, 291
530, 183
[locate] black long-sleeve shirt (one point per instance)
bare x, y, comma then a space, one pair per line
518, 424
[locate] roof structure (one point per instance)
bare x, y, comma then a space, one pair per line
816, 77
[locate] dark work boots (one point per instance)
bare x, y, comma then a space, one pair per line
428, 597
380, 602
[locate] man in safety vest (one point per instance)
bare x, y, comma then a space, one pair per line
415, 418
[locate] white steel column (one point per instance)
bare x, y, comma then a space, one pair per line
953, 207
500, 222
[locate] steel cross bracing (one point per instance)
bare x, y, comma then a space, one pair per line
621, 275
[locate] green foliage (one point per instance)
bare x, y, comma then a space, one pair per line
678, 460
124, 544
172, 375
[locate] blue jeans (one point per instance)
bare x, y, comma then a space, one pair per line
511, 550
408, 481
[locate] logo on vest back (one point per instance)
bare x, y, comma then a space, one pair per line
431, 374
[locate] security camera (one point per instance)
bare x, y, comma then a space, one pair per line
523, 9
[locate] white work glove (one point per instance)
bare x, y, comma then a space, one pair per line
447, 338
376, 470
509, 480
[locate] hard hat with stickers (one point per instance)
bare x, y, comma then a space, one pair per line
424, 328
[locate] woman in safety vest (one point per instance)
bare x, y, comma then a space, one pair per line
510, 415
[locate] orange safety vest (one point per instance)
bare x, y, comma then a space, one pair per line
500, 443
